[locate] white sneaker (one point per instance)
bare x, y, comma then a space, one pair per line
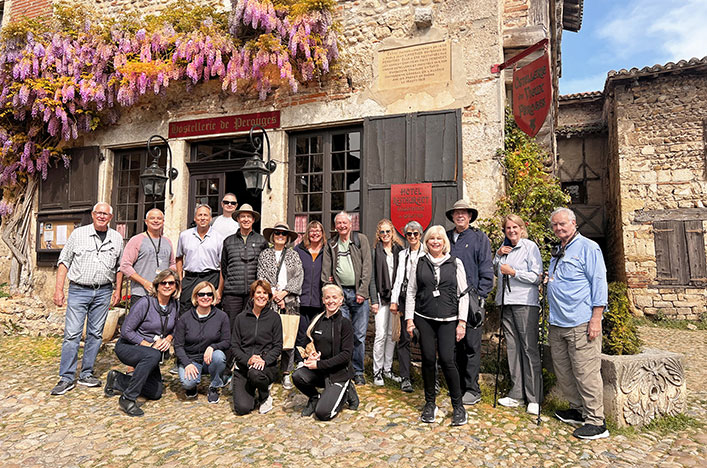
509, 402
287, 382
378, 380
266, 406
533, 408
390, 376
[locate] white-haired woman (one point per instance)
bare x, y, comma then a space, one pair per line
434, 306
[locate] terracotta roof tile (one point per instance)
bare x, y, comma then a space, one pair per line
668, 67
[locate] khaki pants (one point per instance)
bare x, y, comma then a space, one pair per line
577, 364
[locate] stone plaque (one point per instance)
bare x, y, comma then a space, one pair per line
415, 65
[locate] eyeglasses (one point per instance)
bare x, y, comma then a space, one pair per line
168, 283
101, 213
383, 232
229, 202
280, 233
412, 234
206, 294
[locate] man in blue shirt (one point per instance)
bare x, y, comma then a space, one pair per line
577, 293
473, 248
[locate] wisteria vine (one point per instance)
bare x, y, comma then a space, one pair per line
62, 81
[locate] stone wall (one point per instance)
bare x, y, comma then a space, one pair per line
515, 13
29, 8
660, 157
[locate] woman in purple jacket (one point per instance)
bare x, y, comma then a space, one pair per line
311, 253
145, 337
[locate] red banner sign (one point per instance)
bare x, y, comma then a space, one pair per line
410, 202
225, 124
532, 94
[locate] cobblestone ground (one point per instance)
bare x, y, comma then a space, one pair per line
83, 428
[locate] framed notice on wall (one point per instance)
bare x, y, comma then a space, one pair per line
53, 233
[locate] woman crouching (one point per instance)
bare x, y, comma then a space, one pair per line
145, 335
256, 344
201, 339
434, 307
327, 364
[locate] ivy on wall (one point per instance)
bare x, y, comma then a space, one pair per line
67, 75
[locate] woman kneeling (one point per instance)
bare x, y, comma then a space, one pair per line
328, 365
201, 339
256, 344
145, 335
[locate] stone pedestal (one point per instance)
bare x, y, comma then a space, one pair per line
642, 387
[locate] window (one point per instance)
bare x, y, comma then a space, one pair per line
326, 177
577, 190
129, 201
680, 252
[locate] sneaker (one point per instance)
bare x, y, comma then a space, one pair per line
130, 407
213, 395
191, 393
311, 406
378, 379
570, 416
591, 432
406, 385
227, 380
89, 381
266, 405
459, 416
359, 379
390, 376
287, 382
509, 402
109, 389
470, 399
533, 408
62, 387
174, 370
429, 412
352, 398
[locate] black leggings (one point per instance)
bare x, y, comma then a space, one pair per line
445, 335
332, 398
146, 379
244, 385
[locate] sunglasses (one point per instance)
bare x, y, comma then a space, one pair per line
168, 283
412, 234
207, 294
383, 232
229, 202
280, 233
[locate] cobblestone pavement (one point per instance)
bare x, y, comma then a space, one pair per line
83, 428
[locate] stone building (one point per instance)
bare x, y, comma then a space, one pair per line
416, 103
639, 151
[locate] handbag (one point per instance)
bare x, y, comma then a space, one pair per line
290, 325
477, 314
395, 327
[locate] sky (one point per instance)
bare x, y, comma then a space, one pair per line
618, 34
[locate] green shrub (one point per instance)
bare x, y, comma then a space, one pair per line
620, 334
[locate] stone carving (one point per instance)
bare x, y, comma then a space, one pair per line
653, 388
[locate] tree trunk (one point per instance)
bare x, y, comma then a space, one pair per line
16, 235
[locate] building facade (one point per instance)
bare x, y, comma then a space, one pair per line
415, 102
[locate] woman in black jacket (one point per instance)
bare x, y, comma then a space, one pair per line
201, 339
328, 364
256, 343
311, 254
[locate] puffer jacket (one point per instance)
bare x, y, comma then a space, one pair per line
239, 262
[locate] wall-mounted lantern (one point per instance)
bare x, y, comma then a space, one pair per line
256, 170
154, 179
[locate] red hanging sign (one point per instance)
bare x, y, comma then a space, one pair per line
410, 202
532, 94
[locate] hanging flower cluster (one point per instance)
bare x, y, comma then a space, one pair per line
60, 81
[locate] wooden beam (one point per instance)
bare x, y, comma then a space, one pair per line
679, 214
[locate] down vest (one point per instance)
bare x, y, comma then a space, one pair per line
239, 262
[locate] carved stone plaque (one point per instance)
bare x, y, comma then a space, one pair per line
414, 65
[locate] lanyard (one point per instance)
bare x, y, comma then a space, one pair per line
157, 249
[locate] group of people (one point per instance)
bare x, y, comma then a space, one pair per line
430, 290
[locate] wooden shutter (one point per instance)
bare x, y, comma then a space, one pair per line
695, 243
74, 188
54, 190
411, 148
670, 252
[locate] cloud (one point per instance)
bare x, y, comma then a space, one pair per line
669, 30
583, 84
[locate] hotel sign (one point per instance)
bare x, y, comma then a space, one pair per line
410, 202
532, 94
225, 124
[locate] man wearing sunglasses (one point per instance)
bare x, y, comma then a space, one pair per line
577, 293
225, 224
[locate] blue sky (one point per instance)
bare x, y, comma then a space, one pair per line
630, 33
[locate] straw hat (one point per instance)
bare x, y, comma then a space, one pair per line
267, 233
246, 208
462, 205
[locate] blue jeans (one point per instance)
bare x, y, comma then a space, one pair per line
358, 314
80, 304
215, 370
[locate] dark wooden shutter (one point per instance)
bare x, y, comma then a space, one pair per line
411, 148
54, 190
74, 188
670, 252
695, 243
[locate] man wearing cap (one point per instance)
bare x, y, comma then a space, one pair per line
198, 256
239, 262
225, 224
473, 248
90, 259
347, 262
